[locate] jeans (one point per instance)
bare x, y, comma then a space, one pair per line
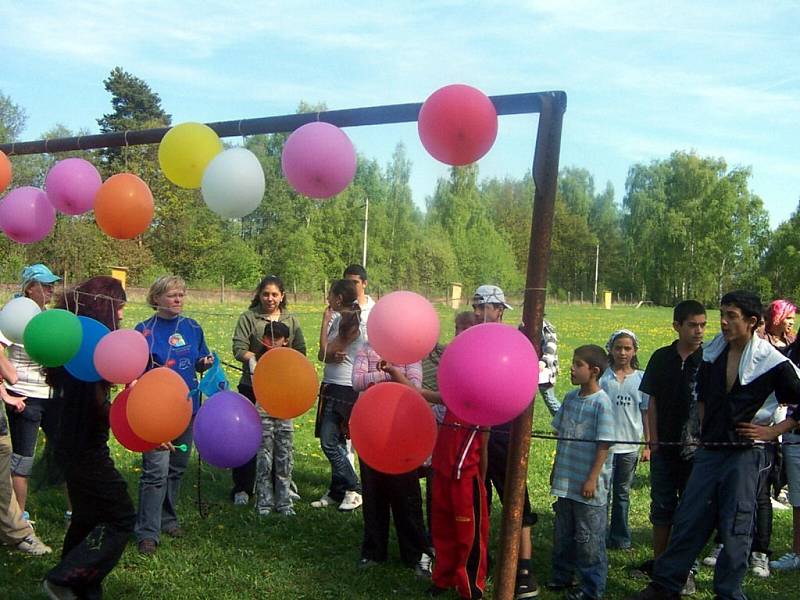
721, 493
24, 427
669, 474
244, 476
619, 498
579, 544
274, 464
332, 440
159, 486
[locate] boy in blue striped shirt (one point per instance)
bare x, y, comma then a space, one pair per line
579, 480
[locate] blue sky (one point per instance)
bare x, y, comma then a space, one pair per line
643, 78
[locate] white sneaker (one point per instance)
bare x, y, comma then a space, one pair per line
711, 559
323, 502
34, 546
759, 564
352, 500
778, 505
788, 562
423, 568
241, 498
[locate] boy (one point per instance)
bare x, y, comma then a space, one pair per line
579, 480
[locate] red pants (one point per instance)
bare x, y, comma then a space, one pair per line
460, 531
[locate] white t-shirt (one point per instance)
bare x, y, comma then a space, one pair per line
30, 375
627, 404
341, 373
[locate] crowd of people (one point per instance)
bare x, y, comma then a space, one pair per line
705, 415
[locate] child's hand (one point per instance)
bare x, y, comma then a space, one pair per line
392, 371
17, 402
205, 363
646, 454
252, 364
589, 488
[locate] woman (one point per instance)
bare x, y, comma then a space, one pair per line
779, 324
268, 304
102, 511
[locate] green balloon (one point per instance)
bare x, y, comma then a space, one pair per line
53, 337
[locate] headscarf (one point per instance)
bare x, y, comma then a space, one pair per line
620, 333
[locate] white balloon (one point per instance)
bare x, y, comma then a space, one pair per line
233, 183
15, 316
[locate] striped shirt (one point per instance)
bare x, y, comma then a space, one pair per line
430, 365
366, 372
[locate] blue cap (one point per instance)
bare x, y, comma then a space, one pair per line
38, 272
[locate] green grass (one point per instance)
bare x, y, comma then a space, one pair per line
232, 553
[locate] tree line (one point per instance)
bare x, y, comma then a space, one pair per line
687, 226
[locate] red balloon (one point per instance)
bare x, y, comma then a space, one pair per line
457, 124
393, 428
118, 419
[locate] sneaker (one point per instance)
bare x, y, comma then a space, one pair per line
367, 563
435, 590
34, 546
68, 516
352, 500
147, 546
778, 505
264, 512
653, 593
423, 568
58, 592
323, 502
711, 559
788, 562
526, 586
642, 571
555, 586
175, 532
287, 511
759, 564
690, 587
241, 498
579, 595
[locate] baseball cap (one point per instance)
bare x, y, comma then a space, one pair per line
38, 272
490, 294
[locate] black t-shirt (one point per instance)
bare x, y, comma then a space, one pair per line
82, 417
670, 379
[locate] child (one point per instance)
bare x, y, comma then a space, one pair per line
275, 459
580, 480
382, 492
176, 342
629, 411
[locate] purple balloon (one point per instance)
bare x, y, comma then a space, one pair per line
319, 160
26, 215
72, 184
227, 430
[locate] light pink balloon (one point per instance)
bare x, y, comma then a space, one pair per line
26, 215
488, 374
403, 327
72, 184
319, 160
121, 356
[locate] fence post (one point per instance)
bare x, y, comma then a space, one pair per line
222, 291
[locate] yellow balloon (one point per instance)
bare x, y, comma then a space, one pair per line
185, 151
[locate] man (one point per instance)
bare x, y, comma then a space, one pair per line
358, 274
741, 379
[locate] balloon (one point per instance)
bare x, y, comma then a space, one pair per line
121, 356
233, 183
118, 419
403, 327
319, 160
185, 151
123, 206
26, 215
488, 374
16, 315
5, 171
72, 185
392, 428
457, 124
53, 337
227, 430
159, 407
81, 366
285, 383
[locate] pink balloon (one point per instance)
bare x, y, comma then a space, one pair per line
26, 215
319, 160
72, 184
488, 374
403, 327
121, 356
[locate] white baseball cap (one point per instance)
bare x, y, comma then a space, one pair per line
490, 294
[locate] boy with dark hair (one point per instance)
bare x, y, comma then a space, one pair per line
358, 275
739, 383
580, 479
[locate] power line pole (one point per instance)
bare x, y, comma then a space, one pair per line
596, 273
366, 223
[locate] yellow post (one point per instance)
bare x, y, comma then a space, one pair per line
607, 299
121, 274
455, 295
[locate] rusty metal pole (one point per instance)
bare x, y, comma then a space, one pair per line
545, 177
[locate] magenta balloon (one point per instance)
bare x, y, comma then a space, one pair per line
26, 215
319, 160
227, 430
72, 184
121, 356
488, 374
403, 327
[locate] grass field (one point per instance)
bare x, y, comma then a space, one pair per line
232, 553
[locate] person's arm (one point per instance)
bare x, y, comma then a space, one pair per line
16, 402
7, 371
765, 433
324, 328
410, 375
431, 396
652, 424
646, 429
590, 485
241, 339
363, 376
299, 342
205, 358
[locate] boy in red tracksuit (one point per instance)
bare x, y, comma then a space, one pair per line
459, 517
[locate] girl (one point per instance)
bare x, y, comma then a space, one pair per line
629, 410
176, 342
779, 324
383, 492
340, 337
269, 304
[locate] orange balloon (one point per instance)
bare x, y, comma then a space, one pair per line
285, 383
5, 171
123, 206
159, 407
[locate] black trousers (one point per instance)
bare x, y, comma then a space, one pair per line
399, 494
102, 522
497, 455
244, 477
